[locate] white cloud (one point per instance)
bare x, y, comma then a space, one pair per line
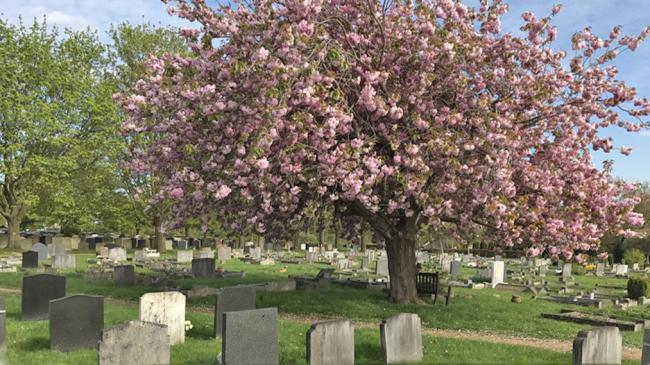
645, 132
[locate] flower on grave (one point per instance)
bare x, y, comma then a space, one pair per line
188, 325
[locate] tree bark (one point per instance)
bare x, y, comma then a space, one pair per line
14, 217
158, 238
402, 264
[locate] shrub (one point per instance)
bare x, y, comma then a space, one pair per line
638, 287
634, 256
577, 269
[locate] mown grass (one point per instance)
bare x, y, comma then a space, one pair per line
483, 310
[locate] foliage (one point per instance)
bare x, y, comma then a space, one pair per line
577, 269
638, 287
320, 104
634, 256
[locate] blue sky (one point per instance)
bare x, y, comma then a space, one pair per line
601, 15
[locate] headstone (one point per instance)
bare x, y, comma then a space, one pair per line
401, 338
645, 355
566, 271
42, 251
135, 342
455, 268
205, 253
30, 259
59, 249
497, 269
311, 256
365, 262
382, 266
76, 322
203, 268
542, 271
124, 275
600, 269
621, 269
184, 256
117, 254
446, 263
330, 343
167, 308
223, 254
255, 253
37, 291
231, 299
3, 325
64, 262
250, 337
599, 345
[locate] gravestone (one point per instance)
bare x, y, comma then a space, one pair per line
203, 268
455, 268
401, 338
445, 262
342, 264
599, 345
184, 256
124, 275
542, 271
566, 271
330, 343
600, 269
64, 262
37, 291
30, 259
117, 254
645, 355
3, 325
76, 322
497, 269
135, 342
223, 254
166, 308
365, 263
42, 251
231, 299
621, 269
382, 266
250, 337
311, 256
255, 253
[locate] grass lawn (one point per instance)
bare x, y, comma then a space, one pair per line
487, 311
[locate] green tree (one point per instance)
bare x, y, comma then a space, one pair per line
55, 112
132, 45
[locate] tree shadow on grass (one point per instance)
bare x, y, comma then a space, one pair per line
35, 344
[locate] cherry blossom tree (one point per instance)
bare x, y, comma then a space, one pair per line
404, 114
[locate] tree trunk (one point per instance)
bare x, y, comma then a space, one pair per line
336, 235
14, 218
402, 265
158, 238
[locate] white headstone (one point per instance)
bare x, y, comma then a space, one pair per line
166, 308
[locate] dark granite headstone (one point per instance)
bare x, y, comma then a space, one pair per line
231, 299
250, 337
3, 325
203, 268
37, 291
30, 259
76, 322
124, 275
46, 240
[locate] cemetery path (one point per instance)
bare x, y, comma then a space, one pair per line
629, 353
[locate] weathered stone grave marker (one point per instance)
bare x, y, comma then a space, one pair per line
37, 291
203, 268
401, 338
135, 342
330, 343
382, 266
166, 308
124, 275
600, 345
42, 251
184, 256
230, 299
250, 337
64, 261
30, 259
76, 322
